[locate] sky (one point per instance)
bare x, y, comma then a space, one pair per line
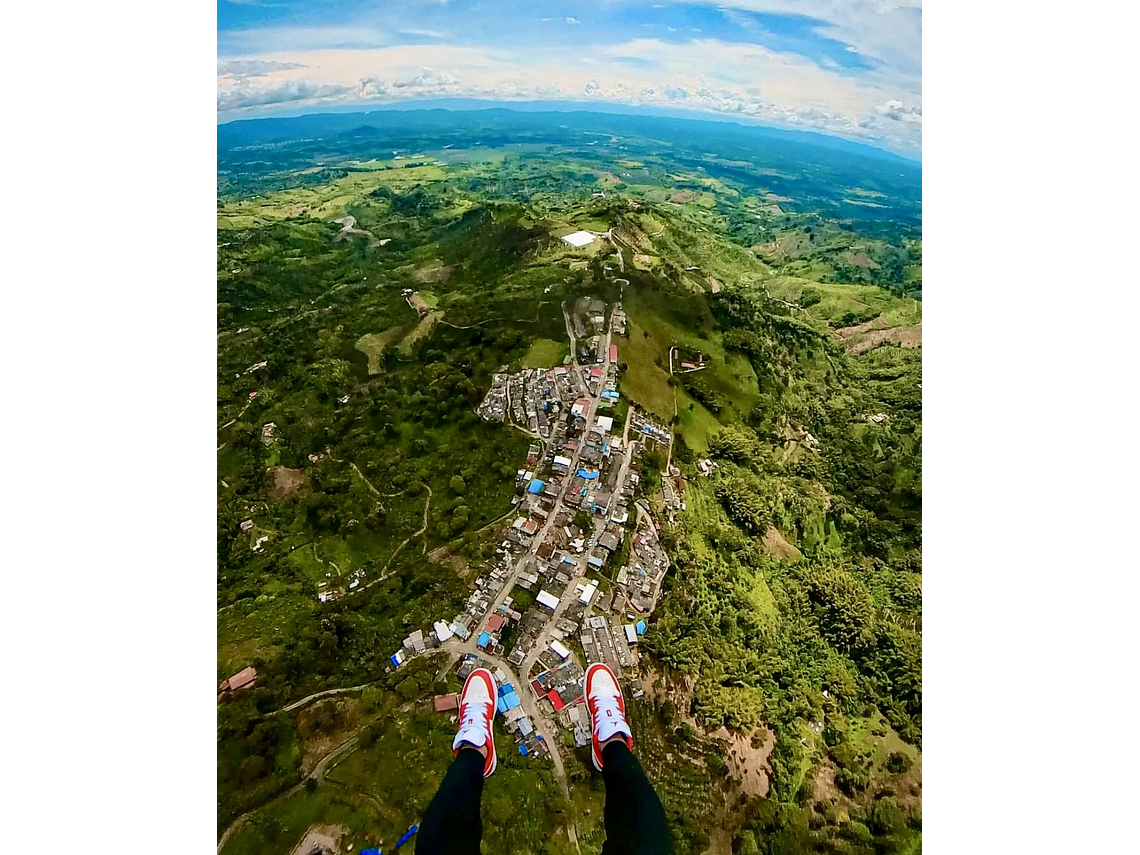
851, 68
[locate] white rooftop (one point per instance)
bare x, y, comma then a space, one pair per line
579, 238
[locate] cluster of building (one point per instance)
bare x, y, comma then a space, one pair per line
673, 488
327, 594
618, 320
589, 320
638, 583
602, 381
546, 400
493, 407
684, 361
571, 580
706, 466
551, 576
561, 685
647, 430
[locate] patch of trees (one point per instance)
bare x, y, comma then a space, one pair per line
744, 506
713, 401
733, 443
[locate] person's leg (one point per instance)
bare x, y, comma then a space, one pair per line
452, 824
635, 819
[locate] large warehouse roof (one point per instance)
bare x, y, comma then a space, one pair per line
579, 238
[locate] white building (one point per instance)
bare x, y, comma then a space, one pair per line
579, 239
588, 593
547, 599
561, 649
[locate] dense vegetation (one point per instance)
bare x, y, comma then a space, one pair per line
795, 602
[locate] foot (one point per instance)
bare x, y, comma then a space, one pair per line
476, 712
607, 710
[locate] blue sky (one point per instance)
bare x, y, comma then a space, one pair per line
846, 67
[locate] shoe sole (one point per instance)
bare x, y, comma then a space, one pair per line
487, 773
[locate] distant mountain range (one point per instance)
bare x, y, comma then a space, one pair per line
439, 114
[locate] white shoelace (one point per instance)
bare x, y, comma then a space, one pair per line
474, 720
615, 723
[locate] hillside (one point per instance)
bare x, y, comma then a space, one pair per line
764, 298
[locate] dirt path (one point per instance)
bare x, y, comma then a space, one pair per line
423, 528
571, 336
317, 775
384, 570
234, 419
363, 478
438, 552
316, 695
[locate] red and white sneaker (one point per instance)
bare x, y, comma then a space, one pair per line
476, 712
607, 709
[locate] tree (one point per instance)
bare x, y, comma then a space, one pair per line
843, 607
898, 763
370, 698
458, 485
251, 769
408, 689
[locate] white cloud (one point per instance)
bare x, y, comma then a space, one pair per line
244, 97
253, 67
262, 40
431, 34
573, 21
884, 104
896, 110
889, 32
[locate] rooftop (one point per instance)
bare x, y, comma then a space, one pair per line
579, 238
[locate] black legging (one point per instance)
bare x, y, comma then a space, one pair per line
635, 820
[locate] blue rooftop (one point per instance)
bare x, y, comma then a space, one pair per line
641, 627
536, 486
484, 639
